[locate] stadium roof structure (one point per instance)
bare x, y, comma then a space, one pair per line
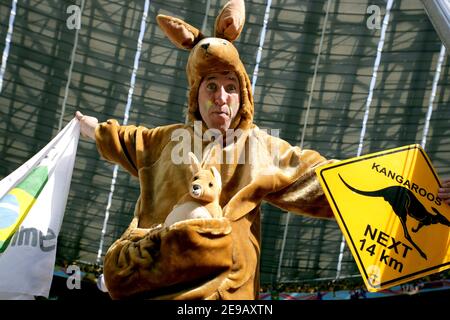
344, 77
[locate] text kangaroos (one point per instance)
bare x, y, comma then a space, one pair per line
404, 204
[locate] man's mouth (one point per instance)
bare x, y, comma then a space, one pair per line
221, 112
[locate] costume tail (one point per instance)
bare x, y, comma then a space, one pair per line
376, 193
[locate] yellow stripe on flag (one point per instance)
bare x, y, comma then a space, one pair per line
25, 201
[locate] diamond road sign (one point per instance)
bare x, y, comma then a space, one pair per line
387, 207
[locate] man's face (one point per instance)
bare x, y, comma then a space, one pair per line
218, 99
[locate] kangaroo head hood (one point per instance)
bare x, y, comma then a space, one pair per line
214, 54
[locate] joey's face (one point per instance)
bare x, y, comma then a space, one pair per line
204, 186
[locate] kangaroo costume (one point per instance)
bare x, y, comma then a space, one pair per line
204, 258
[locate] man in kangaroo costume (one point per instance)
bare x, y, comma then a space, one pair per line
215, 258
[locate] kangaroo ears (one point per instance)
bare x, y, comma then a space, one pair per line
180, 33
217, 176
229, 24
195, 164
230, 21
213, 154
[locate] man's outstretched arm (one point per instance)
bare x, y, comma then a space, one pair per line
444, 191
87, 125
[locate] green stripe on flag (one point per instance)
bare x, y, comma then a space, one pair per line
26, 193
35, 181
5, 244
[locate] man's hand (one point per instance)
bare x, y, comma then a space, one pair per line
87, 125
444, 192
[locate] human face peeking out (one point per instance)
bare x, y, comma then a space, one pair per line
219, 99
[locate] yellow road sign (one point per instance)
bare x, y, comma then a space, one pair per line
387, 207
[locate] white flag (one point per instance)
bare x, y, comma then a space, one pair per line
32, 203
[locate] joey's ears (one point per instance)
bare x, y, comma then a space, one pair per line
230, 21
195, 164
217, 176
212, 156
180, 33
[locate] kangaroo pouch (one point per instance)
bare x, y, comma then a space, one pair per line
188, 260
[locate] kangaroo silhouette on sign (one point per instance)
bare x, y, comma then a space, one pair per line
404, 203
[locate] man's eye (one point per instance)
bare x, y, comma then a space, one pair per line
231, 88
211, 86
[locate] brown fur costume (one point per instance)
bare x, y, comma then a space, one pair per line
204, 258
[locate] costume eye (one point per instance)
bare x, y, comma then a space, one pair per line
210, 185
231, 88
211, 86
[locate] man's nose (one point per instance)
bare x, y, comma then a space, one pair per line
221, 95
